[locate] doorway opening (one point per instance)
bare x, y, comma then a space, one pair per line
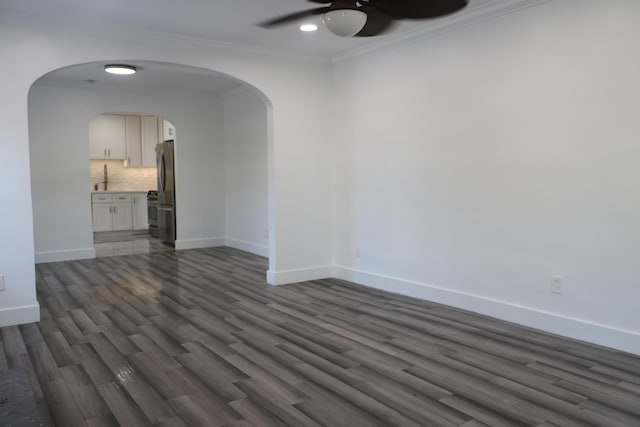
133, 183
222, 157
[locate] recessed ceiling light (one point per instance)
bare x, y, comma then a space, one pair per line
120, 69
308, 27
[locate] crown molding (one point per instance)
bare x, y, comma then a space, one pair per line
478, 11
36, 22
189, 41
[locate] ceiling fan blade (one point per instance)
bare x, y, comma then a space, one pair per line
419, 9
292, 17
377, 23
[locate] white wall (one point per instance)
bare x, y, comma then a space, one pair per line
468, 168
58, 122
300, 220
246, 172
473, 166
221, 182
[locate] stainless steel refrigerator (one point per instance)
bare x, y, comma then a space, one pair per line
166, 193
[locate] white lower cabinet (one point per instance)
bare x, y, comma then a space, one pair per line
140, 214
112, 212
101, 213
122, 212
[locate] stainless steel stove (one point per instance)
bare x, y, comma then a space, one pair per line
152, 213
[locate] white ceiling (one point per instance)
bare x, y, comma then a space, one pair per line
227, 21
230, 21
152, 77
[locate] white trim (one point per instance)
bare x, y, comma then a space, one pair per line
476, 12
199, 243
301, 275
610, 336
247, 247
271, 277
69, 255
20, 315
120, 32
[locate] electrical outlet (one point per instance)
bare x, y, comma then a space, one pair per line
357, 251
1, 282
556, 284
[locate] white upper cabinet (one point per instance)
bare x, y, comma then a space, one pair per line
107, 137
127, 137
133, 138
149, 128
168, 130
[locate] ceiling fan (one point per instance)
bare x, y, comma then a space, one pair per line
366, 18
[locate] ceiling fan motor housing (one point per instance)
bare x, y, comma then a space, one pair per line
345, 22
365, 18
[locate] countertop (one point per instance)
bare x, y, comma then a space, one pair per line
119, 191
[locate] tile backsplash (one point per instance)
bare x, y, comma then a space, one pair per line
121, 178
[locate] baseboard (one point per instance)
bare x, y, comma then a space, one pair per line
247, 247
19, 315
199, 243
301, 275
70, 255
581, 329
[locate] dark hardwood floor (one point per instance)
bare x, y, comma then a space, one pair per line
116, 243
197, 338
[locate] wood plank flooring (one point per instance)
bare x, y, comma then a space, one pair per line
197, 338
130, 242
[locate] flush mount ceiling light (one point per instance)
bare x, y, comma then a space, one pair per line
120, 69
308, 27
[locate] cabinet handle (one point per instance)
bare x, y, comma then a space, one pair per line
109, 150
105, 152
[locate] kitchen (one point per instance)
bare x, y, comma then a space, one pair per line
221, 156
130, 155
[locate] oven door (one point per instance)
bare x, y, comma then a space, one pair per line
152, 216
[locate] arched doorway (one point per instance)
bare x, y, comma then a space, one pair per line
208, 188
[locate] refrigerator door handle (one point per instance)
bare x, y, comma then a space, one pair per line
163, 179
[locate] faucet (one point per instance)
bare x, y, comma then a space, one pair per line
106, 177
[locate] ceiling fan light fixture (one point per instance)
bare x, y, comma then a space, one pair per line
120, 69
308, 27
345, 22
